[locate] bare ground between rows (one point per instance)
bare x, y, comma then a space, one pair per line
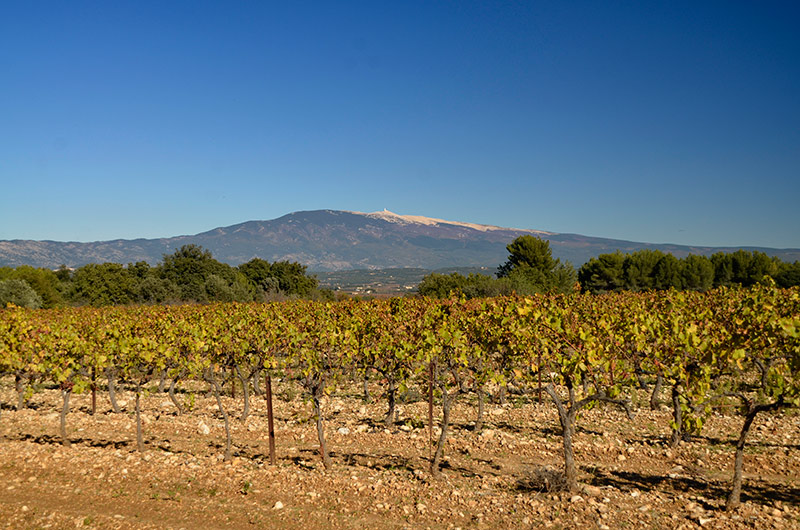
379, 479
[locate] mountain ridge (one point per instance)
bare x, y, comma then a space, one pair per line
334, 240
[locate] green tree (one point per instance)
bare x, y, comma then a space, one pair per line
697, 273
156, 290
259, 273
140, 270
531, 268
788, 274
287, 277
483, 286
667, 273
63, 273
44, 281
292, 278
723, 269
749, 268
437, 285
19, 293
639, 267
603, 274
527, 252
743, 268
759, 265
103, 284
218, 289
190, 269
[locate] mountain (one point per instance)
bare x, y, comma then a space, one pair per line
331, 240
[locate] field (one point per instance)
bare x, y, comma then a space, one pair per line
630, 476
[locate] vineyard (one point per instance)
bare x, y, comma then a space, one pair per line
537, 411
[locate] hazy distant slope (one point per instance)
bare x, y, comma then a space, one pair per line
329, 240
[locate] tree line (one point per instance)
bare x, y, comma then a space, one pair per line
189, 275
531, 269
647, 270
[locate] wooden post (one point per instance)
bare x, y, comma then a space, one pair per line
270, 421
430, 411
94, 392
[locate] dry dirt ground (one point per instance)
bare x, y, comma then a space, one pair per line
630, 477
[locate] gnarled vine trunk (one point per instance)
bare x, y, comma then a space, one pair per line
66, 392
139, 437
317, 387
217, 393
245, 393
655, 402
481, 406
677, 416
173, 397
391, 396
443, 435
734, 497
112, 394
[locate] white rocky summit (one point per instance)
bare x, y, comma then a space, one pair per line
392, 217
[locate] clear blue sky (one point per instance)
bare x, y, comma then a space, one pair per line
649, 121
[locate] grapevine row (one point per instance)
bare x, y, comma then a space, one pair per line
579, 349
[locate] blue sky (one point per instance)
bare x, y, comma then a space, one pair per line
650, 121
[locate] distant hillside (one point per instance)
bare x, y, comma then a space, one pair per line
387, 282
331, 240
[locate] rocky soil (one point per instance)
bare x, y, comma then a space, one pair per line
490, 479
